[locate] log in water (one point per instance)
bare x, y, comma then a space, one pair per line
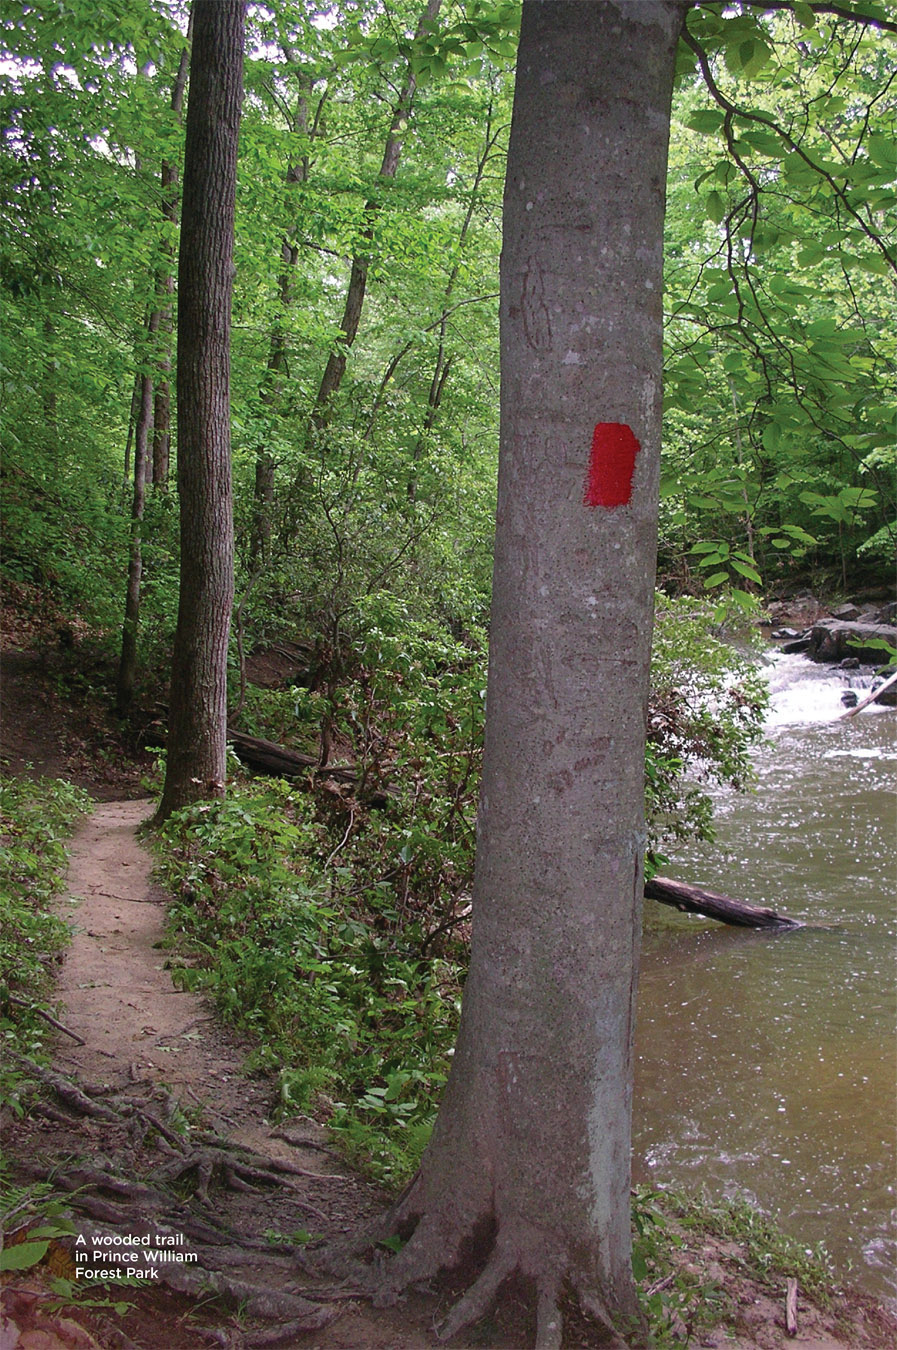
712, 905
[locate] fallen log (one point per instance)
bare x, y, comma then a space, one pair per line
871, 698
279, 762
269, 757
697, 900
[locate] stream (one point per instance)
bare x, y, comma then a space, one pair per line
766, 1064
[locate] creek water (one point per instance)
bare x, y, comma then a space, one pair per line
766, 1064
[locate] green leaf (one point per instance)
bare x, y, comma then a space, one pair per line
747, 58
23, 1256
772, 437
883, 149
745, 570
803, 13
717, 579
766, 142
706, 120
715, 206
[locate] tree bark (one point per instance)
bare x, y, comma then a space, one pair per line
195, 765
528, 1168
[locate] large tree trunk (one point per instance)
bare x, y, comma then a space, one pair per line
528, 1167
198, 702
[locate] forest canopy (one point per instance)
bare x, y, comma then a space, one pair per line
365, 312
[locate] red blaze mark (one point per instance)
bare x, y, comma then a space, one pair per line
611, 465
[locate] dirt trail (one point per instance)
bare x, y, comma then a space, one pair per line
176, 1106
117, 991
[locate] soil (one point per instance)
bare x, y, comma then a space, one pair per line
173, 1136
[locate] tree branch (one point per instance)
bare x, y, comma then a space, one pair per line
837, 11
733, 110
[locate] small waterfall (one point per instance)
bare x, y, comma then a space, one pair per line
804, 693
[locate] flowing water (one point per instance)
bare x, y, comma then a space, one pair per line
767, 1063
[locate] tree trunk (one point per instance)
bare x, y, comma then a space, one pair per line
445, 360
195, 765
528, 1168
165, 289
127, 665
336, 362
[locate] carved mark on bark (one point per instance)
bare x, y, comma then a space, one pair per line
534, 311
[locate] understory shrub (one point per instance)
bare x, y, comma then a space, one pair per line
36, 818
356, 1022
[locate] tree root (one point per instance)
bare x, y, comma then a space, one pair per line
431, 1250
42, 1012
67, 1092
255, 1300
236, 1175
287, 1331
476, 1302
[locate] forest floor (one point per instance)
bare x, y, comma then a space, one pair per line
169, 1140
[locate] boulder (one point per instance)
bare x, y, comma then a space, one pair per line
889, 698
798, 645
833, 640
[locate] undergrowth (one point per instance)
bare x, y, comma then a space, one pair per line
36, 818
356, 1022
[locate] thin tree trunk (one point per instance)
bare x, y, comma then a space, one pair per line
739, 450
444, 361
195, 766
336, 362
165, 289
528, 1168
272, 389
132, 423
127, 665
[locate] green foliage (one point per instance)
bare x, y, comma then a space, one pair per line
705, 714
779, 341
346, 1008
36, 818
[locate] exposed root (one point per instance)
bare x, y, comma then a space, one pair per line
593, 1307
478, 1299
434, 1247
67, 1092
421, 1260
255, 1300
287, 1331
42, 1012
235, 1174
549, 1322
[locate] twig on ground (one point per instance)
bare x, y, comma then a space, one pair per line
791, 1308
41, 1012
